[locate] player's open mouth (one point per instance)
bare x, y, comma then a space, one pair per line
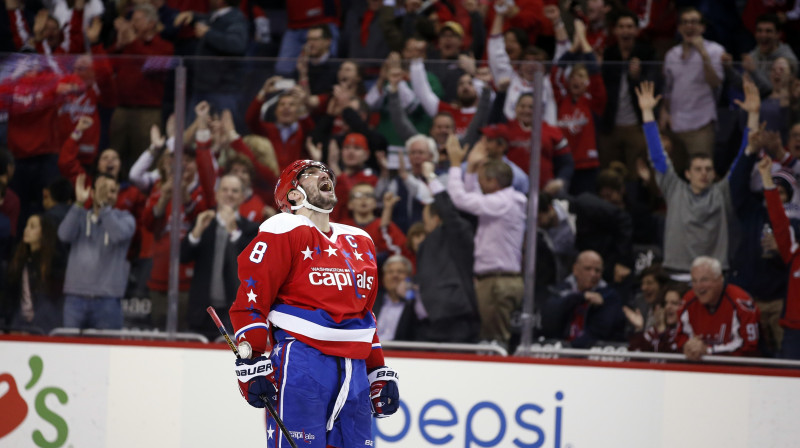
326, 186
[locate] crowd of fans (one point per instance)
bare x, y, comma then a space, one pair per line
667, 179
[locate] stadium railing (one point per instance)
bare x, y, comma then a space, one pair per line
130, 334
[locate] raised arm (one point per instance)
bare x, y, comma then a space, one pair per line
647, 103
480, 119
499, 62
422, 88
751, 105
405, 129
784, 237
68, 163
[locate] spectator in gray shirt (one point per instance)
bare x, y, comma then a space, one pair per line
97, 267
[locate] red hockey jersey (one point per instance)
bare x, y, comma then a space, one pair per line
319, 289
519, 148
576, 121
732, 329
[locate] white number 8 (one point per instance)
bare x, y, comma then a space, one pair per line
258, 252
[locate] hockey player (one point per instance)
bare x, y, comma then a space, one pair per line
304, 310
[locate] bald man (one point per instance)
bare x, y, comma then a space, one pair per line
584, 309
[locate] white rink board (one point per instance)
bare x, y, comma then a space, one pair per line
137, 396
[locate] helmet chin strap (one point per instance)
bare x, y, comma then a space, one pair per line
305, 203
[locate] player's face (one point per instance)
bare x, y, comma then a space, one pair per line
673, 302
319, 188
706, 285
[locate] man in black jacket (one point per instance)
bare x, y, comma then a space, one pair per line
626, 63
315, 68
222, 33
217, 238
444, 270
584, 309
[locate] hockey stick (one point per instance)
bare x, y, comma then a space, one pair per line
270, 407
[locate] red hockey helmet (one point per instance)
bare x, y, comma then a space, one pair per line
289, 180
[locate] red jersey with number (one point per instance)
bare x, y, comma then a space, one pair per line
318, 288
730, 329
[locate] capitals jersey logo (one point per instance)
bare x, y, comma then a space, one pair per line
339, 278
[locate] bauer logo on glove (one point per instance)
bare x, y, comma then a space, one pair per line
256, 380
383, 391
260, 367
